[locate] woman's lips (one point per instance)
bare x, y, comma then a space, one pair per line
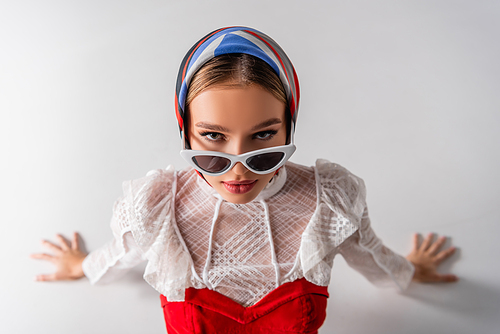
239, 187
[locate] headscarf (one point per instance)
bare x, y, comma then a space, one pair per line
237, 40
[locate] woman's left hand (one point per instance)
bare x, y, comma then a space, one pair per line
427, 256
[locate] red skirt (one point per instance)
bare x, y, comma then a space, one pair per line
295, 307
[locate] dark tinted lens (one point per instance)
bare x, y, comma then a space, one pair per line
211, 163
266, 161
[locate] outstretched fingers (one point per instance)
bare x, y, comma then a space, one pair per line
56, 249
75, 243
64, 244
426, 258
436, 246
43, 256
415, 241
66, 256
426, 243
443, 255
46, 278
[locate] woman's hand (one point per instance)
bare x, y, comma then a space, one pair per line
427, 256
67, 258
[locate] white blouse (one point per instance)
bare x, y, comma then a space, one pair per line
192, 237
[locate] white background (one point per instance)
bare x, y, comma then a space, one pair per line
405, 94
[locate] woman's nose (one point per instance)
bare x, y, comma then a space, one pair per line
239, 169
240, 147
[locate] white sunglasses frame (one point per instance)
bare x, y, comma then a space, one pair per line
288, 150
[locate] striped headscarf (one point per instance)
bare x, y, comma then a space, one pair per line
237, 40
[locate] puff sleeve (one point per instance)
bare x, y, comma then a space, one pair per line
141, 223
119, 255
348, 232
152, 222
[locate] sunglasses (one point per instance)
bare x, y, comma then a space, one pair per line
263, 161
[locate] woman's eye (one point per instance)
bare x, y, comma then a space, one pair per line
266, 135
212, 136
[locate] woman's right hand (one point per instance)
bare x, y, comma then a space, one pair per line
67, 258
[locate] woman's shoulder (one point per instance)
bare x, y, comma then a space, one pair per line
340, 187
158, 182
155, 183
156, 191
331, 170
326, 172
149, 202
333, 182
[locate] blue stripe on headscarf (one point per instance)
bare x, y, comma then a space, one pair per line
182, 95
236, 44
205, 44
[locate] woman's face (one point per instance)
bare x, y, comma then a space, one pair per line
236, 120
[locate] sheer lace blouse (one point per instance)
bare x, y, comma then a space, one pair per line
191, 237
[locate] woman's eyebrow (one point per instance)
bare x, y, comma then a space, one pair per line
213, 127
267, 123
216, 127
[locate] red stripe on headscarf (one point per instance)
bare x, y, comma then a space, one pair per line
296, 80
177, 113
297, 89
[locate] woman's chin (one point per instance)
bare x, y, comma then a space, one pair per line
238, 198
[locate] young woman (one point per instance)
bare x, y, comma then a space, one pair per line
242, 240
